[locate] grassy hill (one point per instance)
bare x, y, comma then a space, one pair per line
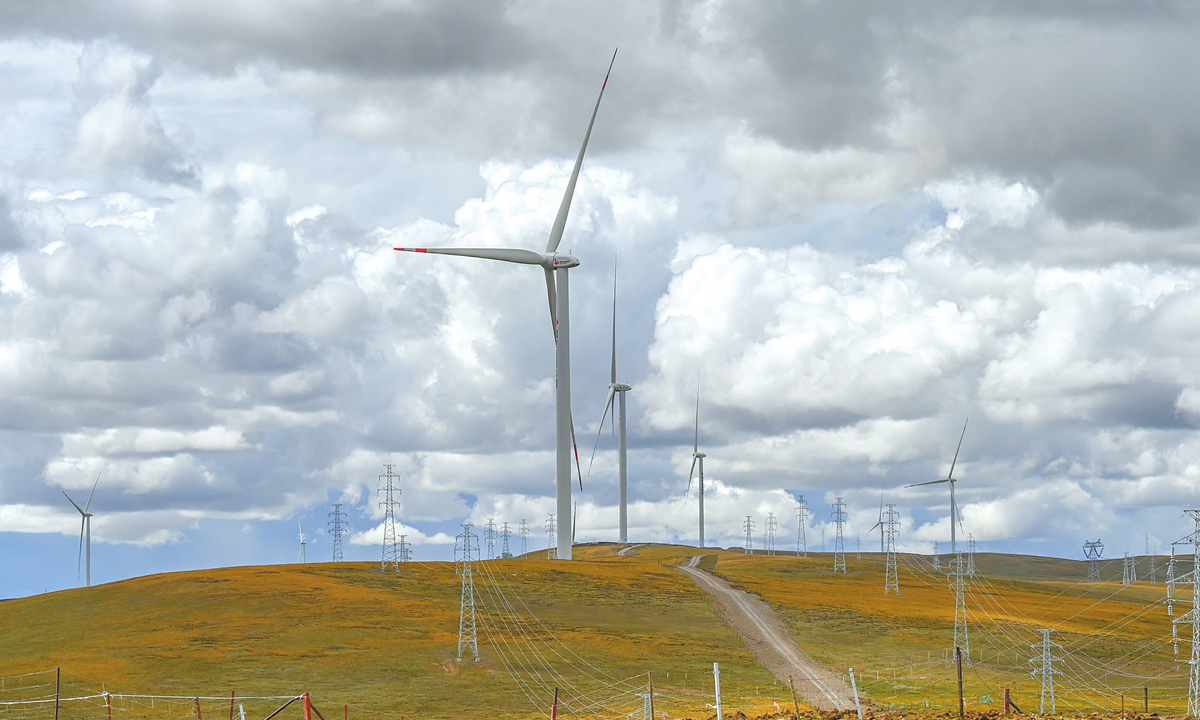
383, 644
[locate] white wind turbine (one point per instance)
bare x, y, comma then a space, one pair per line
556, 266
614, 389
955, 515
879, 523
698, 457
85, 529
302, 555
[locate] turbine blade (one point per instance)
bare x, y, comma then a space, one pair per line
88, 504
552, 295
560, 222
960, 439
690, 473
68, 497
79, 562
931, 482
612, 377
512, 255
696, 438
612, 392
575, 447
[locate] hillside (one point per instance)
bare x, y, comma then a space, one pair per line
384, 644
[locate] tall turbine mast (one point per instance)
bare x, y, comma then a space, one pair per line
556, 267
616, 389
698, 457
85, 529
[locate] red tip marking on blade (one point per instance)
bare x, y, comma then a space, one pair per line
411, 249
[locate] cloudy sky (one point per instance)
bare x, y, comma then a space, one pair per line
854, 225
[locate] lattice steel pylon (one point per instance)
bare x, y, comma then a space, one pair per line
839, 545
405, 549
958, 583
490, 537
466, 550
523, 531
769, 531
1191, 617
1045, 668
391, 549
970, 554
504, 533
891, 528
801, 521
551, 537
748, 526
1126, 575
337, 528
937, 559
1150, 559
858, 547
1092, 550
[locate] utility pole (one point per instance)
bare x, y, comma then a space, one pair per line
772, 526
1092, 550
551, 536
891, 528
748, 526
1045, 668
504, 551
466, 550
801, 521
391, 551
490, 537
1191, 617
337, 527
970, 554
523, 531
839, 546
958, 584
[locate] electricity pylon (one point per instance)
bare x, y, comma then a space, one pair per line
958, 583
748, 526
1150, 559
504, 533
801, 521
1092, 550
466, 550
337, 528
772, 526
937, 559
1191, 617
391, 549
551, 535
839, 548
891, 528
523, 531
490, 537
970, 554
1126, 574
405, 549
1045, 668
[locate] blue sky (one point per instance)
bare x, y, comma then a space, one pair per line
855, 226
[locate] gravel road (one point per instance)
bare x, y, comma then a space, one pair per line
768, 639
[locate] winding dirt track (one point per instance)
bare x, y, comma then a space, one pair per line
767, 638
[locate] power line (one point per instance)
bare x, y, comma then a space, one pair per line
391, 549
336, 529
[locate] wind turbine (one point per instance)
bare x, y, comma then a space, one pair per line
950, 480
615, 388
879, 524
556, 266
303, 555
698, 457
85, 528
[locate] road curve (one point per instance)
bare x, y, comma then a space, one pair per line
767, 638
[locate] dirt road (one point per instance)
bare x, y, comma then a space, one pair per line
767, 638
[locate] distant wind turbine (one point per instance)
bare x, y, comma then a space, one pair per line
85, 529
879, 524
955, 514
614, 389
698, 457
302, 555
556, 266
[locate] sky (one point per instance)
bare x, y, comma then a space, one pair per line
853, 226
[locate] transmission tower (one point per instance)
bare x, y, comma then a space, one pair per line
1150, 559
748, 526
523, 531
839, 545
551, 536
337, 528
1045, 668
504, 551
1126, 572
491, 537
1191, 617
822, 539
405, 549
970, 554
937, 559
958, 583
391, 550
801, 521
466, 551
772, 526
891, 528
1092, 550
858, 547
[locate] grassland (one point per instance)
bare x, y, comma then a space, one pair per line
384, 644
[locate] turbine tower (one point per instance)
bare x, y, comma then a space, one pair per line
557, 267
616, 389
698, 457
85, 529
955, 515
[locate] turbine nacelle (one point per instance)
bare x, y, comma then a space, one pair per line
556, 260
619, 387
699, 455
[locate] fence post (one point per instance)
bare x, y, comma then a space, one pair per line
854, 686
1007, 702
232, 695
795, 702
307, 707
198, 715
57, 688
961, 707
1146, 700
108, 704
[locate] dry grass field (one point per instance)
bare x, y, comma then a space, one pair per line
383, 645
